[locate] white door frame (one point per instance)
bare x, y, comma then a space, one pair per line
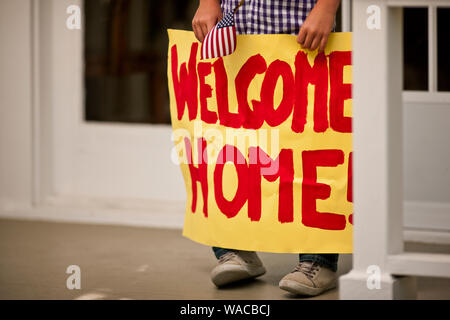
104, 172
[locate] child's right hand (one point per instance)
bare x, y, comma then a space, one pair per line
318, 25
206, 17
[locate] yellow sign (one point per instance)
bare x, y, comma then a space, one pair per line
263, 139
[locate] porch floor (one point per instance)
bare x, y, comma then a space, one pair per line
137, 263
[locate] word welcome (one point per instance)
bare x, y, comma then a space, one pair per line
326, 74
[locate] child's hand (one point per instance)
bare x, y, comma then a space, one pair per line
206, 17
318, 25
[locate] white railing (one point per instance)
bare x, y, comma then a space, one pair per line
381, 268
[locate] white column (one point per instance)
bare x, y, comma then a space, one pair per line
377, 138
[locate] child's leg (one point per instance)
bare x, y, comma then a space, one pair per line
329, 260
219, 251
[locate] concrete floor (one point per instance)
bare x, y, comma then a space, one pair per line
135, 263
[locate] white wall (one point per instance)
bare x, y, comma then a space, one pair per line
427, 165
427, 152
15, 104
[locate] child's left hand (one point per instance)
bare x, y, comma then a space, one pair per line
318, 25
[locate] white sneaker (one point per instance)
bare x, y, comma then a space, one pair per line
237, 265
310, 279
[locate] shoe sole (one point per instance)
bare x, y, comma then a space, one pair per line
229, 276
300, 289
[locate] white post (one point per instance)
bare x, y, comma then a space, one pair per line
346, 9
432, 48
377, 144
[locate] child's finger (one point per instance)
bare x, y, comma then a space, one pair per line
308, 41
315, 43
198, 34
301, 36
323, 43
209, 26
205, 30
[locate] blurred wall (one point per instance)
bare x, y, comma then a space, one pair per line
15, 103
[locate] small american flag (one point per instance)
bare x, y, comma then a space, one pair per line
221, 40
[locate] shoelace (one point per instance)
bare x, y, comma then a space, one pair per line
232, 254
309, 269
227, 256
